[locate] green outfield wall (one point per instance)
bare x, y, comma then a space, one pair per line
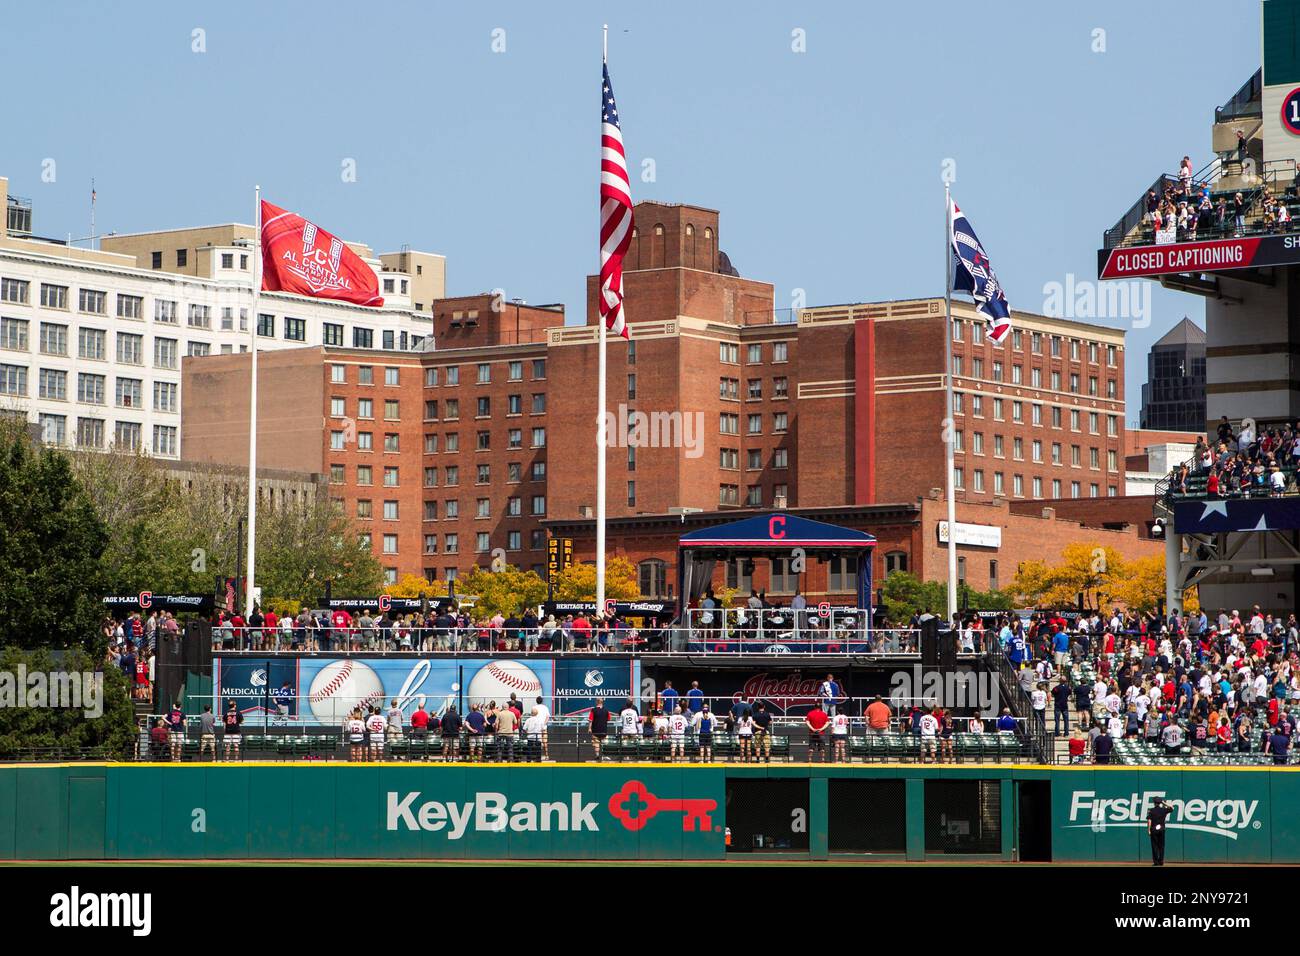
639, 811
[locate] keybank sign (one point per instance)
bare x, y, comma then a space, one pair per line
490, 813
1222, 817
632, 806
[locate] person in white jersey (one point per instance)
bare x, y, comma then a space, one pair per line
629, 722
677, 724
839, 736
745, 735
544, 712
929, 737
377, 724
356, 731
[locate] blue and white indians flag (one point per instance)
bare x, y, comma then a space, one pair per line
615, 212
974, 275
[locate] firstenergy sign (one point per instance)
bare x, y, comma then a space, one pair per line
1224, 817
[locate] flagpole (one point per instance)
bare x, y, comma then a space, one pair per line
950, 423
252, 397
600, 414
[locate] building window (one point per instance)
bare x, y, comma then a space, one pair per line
52, 383
165, 397
13, 334
13, 380
130, 393
164, 440
127, 435
54, 339
90, 433
130, 306
14, 290
842, 576
895, 561
652, 577
130, 349
92, 301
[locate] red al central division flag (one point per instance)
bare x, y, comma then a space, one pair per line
615, 211
299, 256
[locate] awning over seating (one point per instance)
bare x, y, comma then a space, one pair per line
778, 530
775, 534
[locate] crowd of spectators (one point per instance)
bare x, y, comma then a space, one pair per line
444, 628
132, 643
1194, 210
1251, 462
1187, 685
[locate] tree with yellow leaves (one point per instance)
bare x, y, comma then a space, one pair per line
577, 582
1102, 575
414, 586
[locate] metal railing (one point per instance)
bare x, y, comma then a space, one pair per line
841, 634
1032, 724
787, 738
1247, 101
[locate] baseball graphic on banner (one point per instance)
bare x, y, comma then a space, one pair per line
497, 680
340, 686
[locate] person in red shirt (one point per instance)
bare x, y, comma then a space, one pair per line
1078, 746
420, 722
816, 721
582, 631
341, 620
271, 628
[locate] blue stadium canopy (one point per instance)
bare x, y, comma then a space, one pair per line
769, 533
778, 530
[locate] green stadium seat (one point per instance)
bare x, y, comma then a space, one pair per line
724, 746
781, 746
896, 747
399, 749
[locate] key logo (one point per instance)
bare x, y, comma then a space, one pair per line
634, 806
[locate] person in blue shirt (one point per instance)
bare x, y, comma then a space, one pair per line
695, 697
1006, 722
668, 698
1061, 648
476, 723
283, 698
831, 694
1017, 652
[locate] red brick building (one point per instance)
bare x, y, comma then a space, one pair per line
718, 403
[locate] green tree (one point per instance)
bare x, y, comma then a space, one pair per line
169, 536
904, 595
51, 728
52, 573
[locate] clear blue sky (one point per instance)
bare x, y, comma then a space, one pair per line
825, 164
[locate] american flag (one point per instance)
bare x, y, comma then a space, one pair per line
615, 212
